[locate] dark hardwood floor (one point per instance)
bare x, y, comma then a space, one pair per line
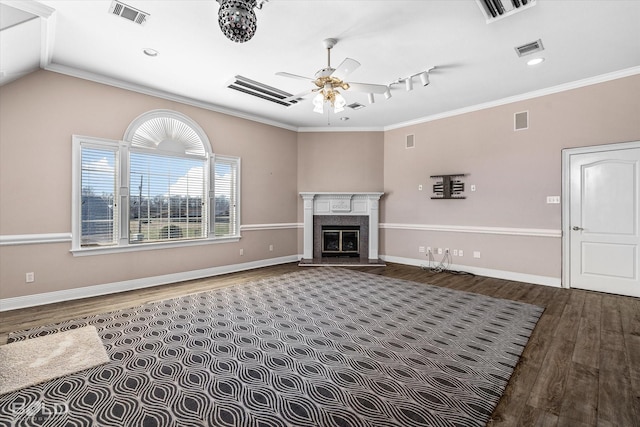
581, 366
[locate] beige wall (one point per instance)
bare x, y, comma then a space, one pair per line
513, 172
340, 161
38, 115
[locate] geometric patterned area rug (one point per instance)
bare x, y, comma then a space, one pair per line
318, 347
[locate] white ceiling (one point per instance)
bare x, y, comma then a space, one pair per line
475, 62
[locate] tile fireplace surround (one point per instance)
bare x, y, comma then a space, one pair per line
357, 208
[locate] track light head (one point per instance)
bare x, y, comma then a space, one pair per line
387, 93
371, 98
408, 82
424, 78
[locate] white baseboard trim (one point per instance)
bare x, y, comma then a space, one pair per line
15, 303
555, 282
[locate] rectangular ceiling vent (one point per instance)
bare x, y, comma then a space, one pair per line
130, 13
356, 106
529, 48
494, 10
260, 90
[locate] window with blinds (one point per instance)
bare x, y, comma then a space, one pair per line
167, 198
161, 185
99, 212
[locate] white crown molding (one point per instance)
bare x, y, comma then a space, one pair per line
487, 272
98, 78
529, 232
30, 239
522, 97
30, 6
127, 285
330, 129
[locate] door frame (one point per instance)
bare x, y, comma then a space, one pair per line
566, 197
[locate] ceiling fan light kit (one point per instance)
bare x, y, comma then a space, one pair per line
327, 80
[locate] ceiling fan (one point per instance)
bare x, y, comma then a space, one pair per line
328, 80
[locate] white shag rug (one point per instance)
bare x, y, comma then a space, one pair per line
36, 360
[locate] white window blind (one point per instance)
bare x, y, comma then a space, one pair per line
226, 194
99, 211
167, 198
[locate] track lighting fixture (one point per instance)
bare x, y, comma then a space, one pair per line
408, 81
237, 19
372, 100
387, 93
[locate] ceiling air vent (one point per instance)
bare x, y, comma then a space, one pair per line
130, 13
529, 48
260, 90
356, 106
498, 9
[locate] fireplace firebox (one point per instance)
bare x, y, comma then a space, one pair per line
338, 241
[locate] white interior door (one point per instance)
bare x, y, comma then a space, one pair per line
603, 227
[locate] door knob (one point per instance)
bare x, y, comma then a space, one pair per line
576, 228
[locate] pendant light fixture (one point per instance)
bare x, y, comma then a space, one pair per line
237, 19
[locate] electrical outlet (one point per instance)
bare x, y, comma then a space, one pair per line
30, 277
270, 248
455, 252
476, 254
473, 187
439, 251
446, 251
460, 252
421, 249
553, 199
241, 252
420, 187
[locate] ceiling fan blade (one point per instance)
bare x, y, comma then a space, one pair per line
300, 95
345, 68
366, 87
294, 76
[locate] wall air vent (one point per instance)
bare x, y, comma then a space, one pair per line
521, 120
260, 90
130, 13
356, 106
529, 48
494, 10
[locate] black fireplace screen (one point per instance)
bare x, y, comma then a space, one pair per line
340, 242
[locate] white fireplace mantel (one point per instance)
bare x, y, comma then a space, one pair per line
340, 203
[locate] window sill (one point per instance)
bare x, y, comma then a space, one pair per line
137, 247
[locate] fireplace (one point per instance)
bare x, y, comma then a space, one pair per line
340, 228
